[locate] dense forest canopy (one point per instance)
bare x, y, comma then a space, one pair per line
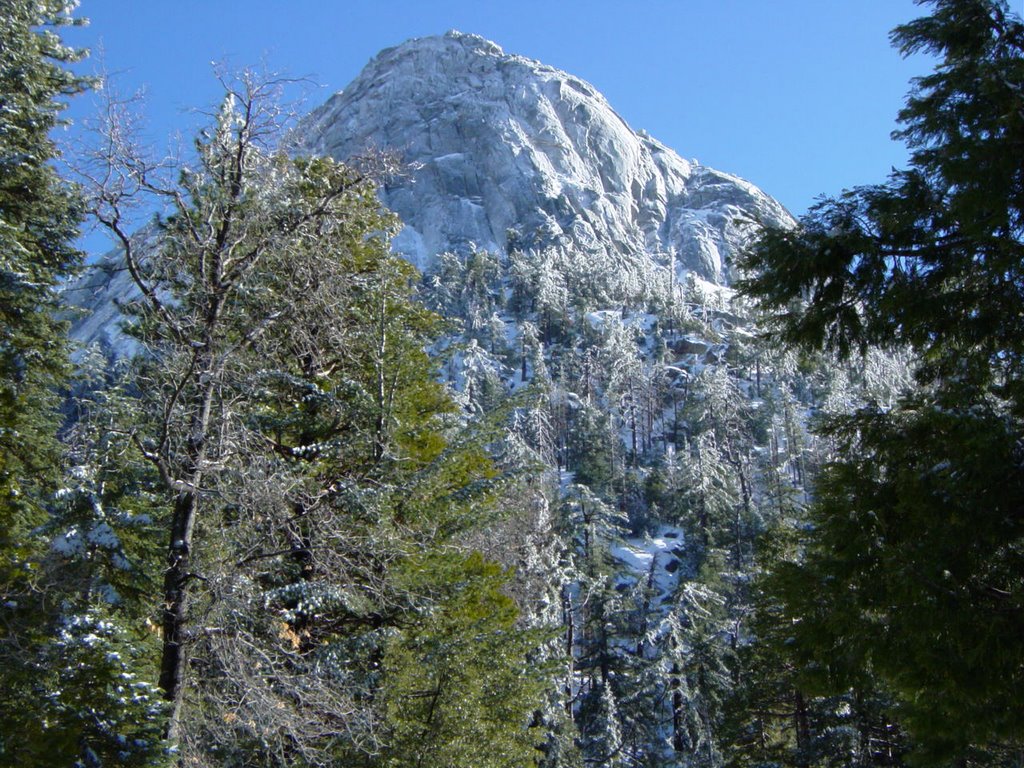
551, 507
915, 557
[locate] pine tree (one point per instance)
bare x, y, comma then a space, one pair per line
318, 479
95, 661
39, 215
696, 652
454, 687
912, 570
783, 710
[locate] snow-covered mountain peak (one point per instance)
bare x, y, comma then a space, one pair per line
503, 153
498, 143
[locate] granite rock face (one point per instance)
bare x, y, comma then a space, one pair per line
501, 151
495, 143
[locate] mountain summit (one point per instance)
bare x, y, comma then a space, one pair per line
501, 152
497, 144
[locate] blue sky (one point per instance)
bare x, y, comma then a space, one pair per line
798, 96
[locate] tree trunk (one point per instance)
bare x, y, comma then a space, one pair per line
570, 641
678, 737
803, 728
174, 658
179, 556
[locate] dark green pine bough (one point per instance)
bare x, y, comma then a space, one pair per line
39, 216
912, 574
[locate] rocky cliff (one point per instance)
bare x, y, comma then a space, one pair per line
496, 143
500, 151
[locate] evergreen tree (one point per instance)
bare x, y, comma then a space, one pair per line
317, 478
454, 686
39, 215
591, 449
912, 571
708, 502
602, 733
782, 713
695, 653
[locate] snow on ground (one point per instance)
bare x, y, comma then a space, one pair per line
663, 551
565, 479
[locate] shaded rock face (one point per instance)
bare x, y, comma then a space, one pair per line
499, 146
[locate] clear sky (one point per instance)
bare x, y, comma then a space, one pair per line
798, 96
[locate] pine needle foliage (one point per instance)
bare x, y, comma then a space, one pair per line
912, 570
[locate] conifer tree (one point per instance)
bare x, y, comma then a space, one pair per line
39, 215
316, 477
453, 686
912, 571
93, 663
783, 713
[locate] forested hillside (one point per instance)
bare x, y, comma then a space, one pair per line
637, 471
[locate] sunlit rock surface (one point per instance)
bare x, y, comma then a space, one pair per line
495, 143
499, 151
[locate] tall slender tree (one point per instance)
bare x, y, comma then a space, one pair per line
39, 216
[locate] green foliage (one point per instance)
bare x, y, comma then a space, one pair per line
458, 688
88, 670
340, 481
39, 214
911, 574
591, 449
95, 702
919, 580
782, 712
932, 258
